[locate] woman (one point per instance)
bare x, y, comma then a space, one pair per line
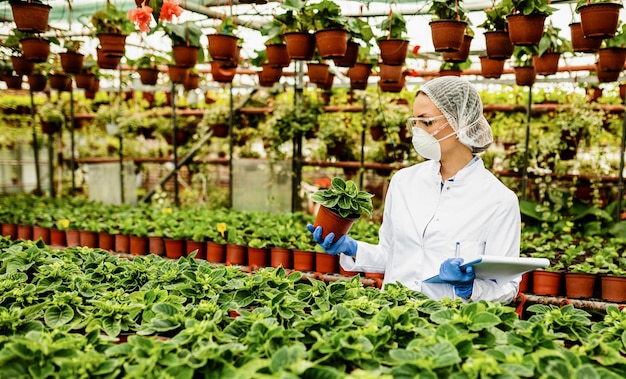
444, 211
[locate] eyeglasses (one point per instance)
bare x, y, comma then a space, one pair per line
424, 122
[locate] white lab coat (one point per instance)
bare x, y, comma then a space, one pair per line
423, 221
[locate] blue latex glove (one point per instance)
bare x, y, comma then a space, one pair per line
463, 281
344, 245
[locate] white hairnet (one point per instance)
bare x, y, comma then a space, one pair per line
460, 103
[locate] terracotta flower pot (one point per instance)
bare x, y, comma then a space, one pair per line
447, 35
580, 44
177, 74
281, 257
42, 233
390, 73
22, 66
156, 245
526, 284
37, 82
106, 241
491, 68
35, 49
524, 75
122, 243
112, 45
350, 57
138, 245
107, 62
222, 73
57, 237
498, 44
461, 55
71, 62
174, 248
9, 230
277, 55
258, 257
346, 272
393, 51
612, 58
30, 16
360, 73
326, 263
547, 64
526, 30
300, 46
72, 238
303, 260
84, 80
546, 283
236, 254
599, 20
613, 288
332, 222
579, 285
331, 43
223, 47
318, 72
24, 232
198, 247
88, 238
215, 252
148, 76
185, 56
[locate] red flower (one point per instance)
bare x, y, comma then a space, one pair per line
169, 9
412, 72
141, 16
416, 49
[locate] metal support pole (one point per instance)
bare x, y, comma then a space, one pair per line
297, 141
51, 164
364, 126
120, 138
35, 144
72, 157
231, 139
526, 144
175, 145
620, 185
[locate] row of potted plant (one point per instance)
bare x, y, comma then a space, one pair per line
86, 312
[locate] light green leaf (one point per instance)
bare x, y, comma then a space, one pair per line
56, 316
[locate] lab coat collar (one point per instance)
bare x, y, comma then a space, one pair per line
473, 165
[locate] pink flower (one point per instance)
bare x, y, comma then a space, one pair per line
169, 9
141, 16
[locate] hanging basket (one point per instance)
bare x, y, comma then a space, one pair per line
277, 55
222, 73
491, 68
599, 20
524, 75
605, 76
22, 66
390, 73
148, 76
185, 56
450, 72
269, 75
30, 16
105, 62
331, 43
177, 74
350, 57
35, 49
223, 47
547, 64
393, 51
447, 35
37, 82
393, 87
360, 73
526, 30
498, 44
328, 85
71, 62
461, 55
112, 45
60, 82
84, 80
13, 81
612, 58
192, 82
580, 44
318, 72
50, 127
300, 46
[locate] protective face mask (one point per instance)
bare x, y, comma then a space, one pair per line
426, 145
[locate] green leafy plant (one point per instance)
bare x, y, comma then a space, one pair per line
394, 26
297, 17
112, 20
495, 17
552, 42
327, 15
523, 55
619, 39
448, 10
345, 199
185, 34
528, 7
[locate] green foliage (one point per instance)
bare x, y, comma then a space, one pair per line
495, 17
393, 26
110, 19
345, 199
184, 34
552, 42
297, 17
448, 10
528, 7
619, 39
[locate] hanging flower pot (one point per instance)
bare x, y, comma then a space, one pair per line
300, 46
84, 80
13, 81
360, 73
269, 75
350, 57
112, 45
148, 76
612, 58
390, 73
447, 35
60, 82
526, 30
546, 64
377, 132
599, 20
50, 127
331, 43
192, 82
318, 72
185, 56
223, 47
461, 55
605, 76
524, 75
177, 74
328, 85
277, 55
22, 66
450, 72
35, 49
393, 87
107, 62
71, 62
393, 51
30, 16
491, 68
579, 285
37, 82
498, 44
222, 73
580, 44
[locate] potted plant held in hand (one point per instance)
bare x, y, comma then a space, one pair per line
341, 205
